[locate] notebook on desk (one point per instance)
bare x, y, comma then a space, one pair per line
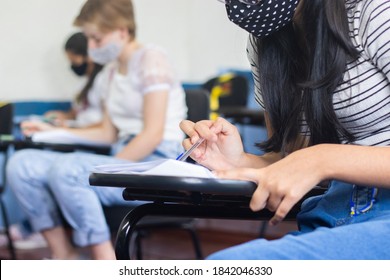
61, 136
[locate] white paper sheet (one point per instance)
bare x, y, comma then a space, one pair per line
168, 167
61, 136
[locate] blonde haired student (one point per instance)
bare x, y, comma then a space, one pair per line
144, 106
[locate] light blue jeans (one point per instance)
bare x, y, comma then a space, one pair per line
51, 185
328, 231
15, 214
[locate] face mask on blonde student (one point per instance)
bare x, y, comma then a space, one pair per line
104, 48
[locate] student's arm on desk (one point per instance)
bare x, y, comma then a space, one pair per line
60, 117
103, 133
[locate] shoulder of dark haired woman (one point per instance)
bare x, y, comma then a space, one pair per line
300, 67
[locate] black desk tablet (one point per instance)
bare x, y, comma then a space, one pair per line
19, 144
59, 147
182, 197
183, 190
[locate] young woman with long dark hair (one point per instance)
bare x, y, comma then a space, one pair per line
322, 74
87, 107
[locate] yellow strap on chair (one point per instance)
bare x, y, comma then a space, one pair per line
214, 101
216, 92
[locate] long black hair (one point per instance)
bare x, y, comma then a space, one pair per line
78, 44
300, 67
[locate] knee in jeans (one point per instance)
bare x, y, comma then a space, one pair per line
19, 164
64, 169
19, 159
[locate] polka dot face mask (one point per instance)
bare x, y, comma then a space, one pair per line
260, 17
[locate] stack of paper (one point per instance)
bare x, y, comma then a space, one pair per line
61, 136
166, 167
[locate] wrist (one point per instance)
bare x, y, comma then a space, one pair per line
246, 160
226, 163
322, 160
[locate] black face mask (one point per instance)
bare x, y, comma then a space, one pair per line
261, 19
79, 70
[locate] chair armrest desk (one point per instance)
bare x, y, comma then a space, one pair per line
65, 148
181, 197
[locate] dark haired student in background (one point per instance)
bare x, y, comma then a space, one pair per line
87, 107
322, 74
86, 111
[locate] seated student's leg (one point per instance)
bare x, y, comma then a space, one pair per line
166, 150
328, 231
15, 215
27, 174
20, 229
81, 204
367, 240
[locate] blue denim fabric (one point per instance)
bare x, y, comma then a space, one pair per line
327, 230
166, 149
51, 185
15, 215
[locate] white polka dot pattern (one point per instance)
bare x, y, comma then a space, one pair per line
263, 18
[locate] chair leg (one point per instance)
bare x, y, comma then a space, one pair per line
195, 241
138, 245
11, 247
135, 245
263, 229
139, 234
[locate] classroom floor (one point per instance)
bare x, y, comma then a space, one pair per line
163, 244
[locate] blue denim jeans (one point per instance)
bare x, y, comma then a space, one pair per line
327, 230
51, 185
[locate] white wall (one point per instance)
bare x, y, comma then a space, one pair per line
196, 33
